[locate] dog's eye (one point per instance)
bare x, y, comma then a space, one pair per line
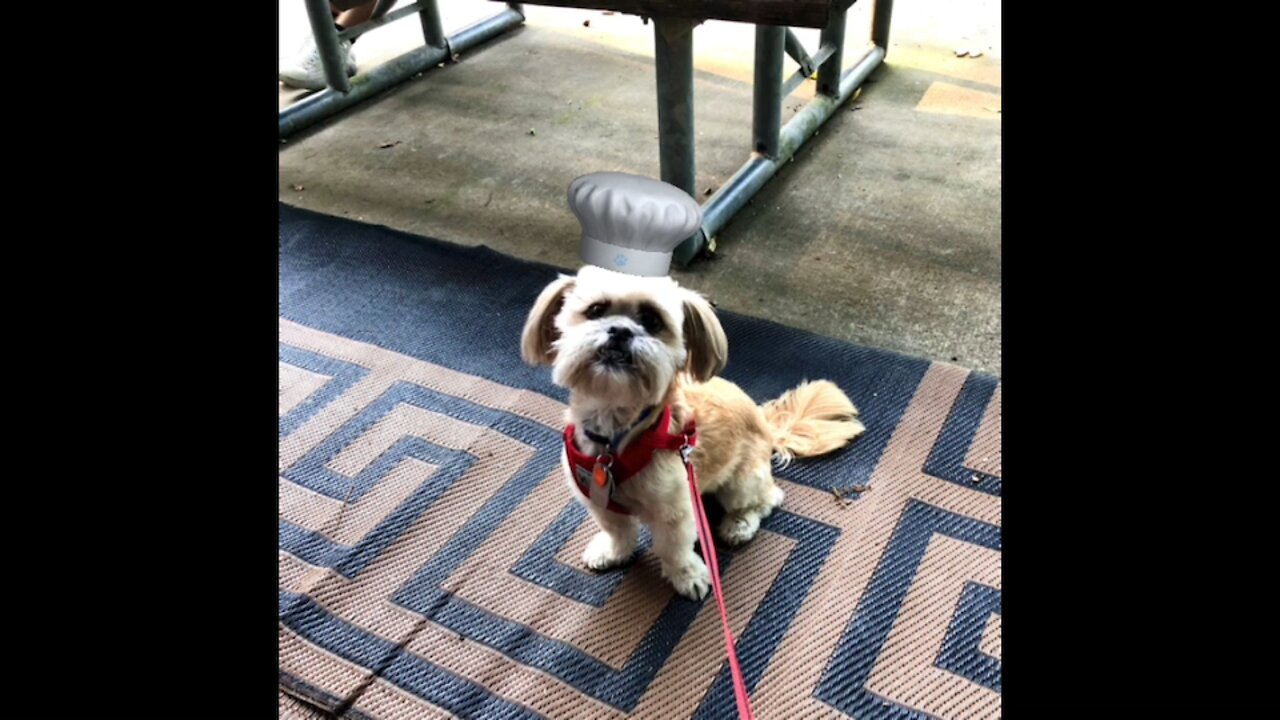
596, 310
650, 320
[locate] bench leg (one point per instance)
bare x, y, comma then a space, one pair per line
673, 55
881, 14
766, 90
432, 30
829, 70
326, 37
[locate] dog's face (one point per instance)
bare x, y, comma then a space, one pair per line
621, 338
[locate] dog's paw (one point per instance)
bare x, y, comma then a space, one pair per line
603, 553
737, 529
692, 580
776, 496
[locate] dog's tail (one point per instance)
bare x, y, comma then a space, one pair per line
811, 419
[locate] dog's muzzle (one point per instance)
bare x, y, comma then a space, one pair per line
616, 352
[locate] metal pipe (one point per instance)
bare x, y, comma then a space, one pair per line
321, 105
673, 61
798, 77
325, 33
824, 52
767, 89
797, 53
881, 13
377, 22
829, 70
478, 33
747, 181
432, 31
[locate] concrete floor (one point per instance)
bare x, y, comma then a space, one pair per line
885, 230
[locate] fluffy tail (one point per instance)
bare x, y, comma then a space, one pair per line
812, 419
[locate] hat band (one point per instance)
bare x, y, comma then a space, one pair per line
625, 260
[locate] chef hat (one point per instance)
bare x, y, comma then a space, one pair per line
631, 224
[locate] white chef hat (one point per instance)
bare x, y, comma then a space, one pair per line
630, 223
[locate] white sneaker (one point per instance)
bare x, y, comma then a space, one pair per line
307, 71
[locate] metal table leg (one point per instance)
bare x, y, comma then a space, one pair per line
829, 70
766, 90
326, 37
881, 14
834, 88
432, 31
673, 59
317, 107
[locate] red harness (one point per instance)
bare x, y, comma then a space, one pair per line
600, 469
605, 471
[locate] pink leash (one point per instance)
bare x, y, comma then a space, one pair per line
709, 553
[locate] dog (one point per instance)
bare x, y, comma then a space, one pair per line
633, 351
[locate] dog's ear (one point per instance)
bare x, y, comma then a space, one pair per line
703, 338
540, 329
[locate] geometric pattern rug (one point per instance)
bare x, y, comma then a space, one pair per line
428, 551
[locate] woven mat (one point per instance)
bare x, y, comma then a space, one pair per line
429, 552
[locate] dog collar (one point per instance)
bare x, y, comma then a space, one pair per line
596, 475
613, 444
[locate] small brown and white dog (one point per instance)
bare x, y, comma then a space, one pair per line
623, 345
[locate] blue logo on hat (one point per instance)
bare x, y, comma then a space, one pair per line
620, 260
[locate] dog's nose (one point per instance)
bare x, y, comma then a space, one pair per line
620, 334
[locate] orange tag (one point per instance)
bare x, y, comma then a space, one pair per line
600, 474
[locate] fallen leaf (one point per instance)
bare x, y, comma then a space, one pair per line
961, 53
386, 145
